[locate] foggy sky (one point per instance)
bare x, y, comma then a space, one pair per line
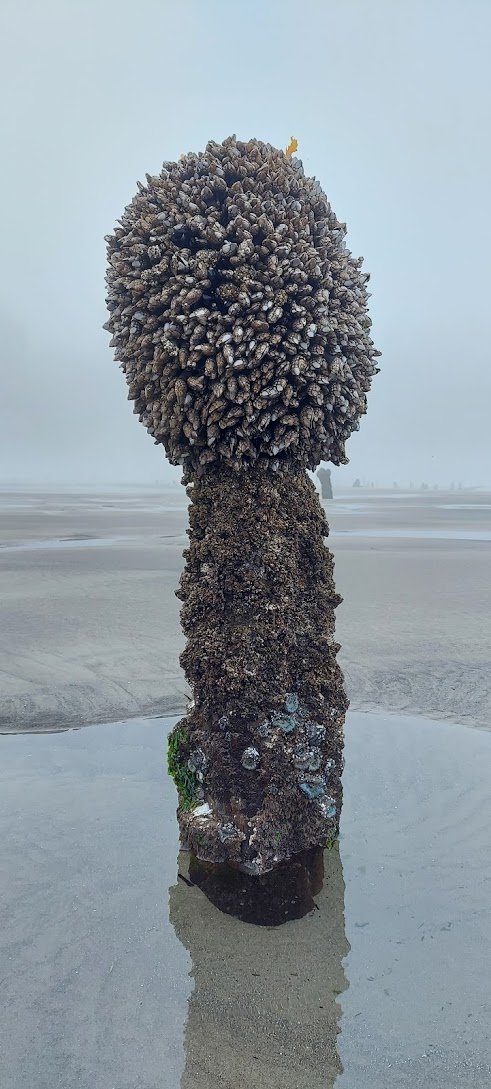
390, 102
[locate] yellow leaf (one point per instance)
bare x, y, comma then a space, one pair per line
292, 148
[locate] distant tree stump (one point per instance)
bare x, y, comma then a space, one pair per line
326, 482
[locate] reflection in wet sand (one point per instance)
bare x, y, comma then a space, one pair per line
96, 981
271, 899
264, 1010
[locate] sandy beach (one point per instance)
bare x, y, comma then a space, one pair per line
116, 969
116, 972
90, 622
239, 240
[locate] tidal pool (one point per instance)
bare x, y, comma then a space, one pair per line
117, 972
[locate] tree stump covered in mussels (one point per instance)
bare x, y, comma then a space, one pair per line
326, 483
240, 320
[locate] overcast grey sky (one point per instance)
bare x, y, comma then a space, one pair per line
390, 102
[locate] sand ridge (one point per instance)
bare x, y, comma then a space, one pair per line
90, 622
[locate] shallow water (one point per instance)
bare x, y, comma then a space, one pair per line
476, 507
118, 974
83, 541
418, 534
80, 541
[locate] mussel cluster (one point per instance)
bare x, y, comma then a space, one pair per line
238, 314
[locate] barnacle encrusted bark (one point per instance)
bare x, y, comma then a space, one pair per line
240, 320
266, 729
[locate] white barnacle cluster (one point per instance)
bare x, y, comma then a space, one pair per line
237, 313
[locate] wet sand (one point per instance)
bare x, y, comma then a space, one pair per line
116, 974
90, 624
